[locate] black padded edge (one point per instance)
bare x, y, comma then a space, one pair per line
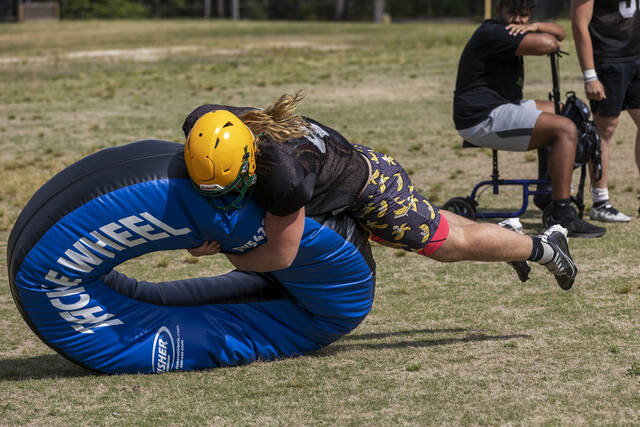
91, 177
235, 287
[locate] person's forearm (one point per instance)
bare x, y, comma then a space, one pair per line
260, 259
278, 252
581, 14
584, 48
552, 28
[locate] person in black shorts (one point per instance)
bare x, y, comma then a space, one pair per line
489, 109
294, 166
607, 38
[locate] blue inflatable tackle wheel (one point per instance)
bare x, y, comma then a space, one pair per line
123, 202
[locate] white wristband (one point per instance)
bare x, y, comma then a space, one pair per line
590, 75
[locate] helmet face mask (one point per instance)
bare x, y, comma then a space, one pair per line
243, 187
220, 157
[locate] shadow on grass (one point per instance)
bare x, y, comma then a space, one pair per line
379, 335
50, 366
40, 367
471, 336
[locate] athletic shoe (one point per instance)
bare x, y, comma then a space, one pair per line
512, 224
521, 267
561, 265
577, 227
607, 213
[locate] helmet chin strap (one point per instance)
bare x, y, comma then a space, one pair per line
244, 184
241, 199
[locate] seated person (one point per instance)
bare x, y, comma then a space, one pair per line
489, 109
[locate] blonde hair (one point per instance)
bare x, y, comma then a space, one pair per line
278, 121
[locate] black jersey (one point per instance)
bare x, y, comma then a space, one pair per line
320, 171
489, 74
615, 30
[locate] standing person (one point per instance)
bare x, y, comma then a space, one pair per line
489, 109
298, 167
607, 38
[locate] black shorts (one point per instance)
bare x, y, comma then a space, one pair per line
621, 81
393, 211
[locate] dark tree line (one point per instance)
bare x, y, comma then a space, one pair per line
346, 10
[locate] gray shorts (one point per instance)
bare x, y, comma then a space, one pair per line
508, 127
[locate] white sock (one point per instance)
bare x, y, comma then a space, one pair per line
600, 194
547, 253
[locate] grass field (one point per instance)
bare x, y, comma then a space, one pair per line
462, 343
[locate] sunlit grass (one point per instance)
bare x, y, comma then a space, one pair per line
444, 344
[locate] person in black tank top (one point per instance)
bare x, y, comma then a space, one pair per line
607, 38
294, 166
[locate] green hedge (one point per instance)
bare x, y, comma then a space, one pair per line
104, 9
354, 10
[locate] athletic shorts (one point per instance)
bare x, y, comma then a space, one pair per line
393, 211
508, 127
621, 81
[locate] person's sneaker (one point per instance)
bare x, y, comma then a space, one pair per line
561, 265
576, 227
607, 213
521, 267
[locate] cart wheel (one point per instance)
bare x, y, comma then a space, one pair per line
461, 206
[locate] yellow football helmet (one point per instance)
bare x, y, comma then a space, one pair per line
220, 157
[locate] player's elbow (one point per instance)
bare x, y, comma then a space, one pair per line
283, 258
548, 45
281, 264
538, 44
